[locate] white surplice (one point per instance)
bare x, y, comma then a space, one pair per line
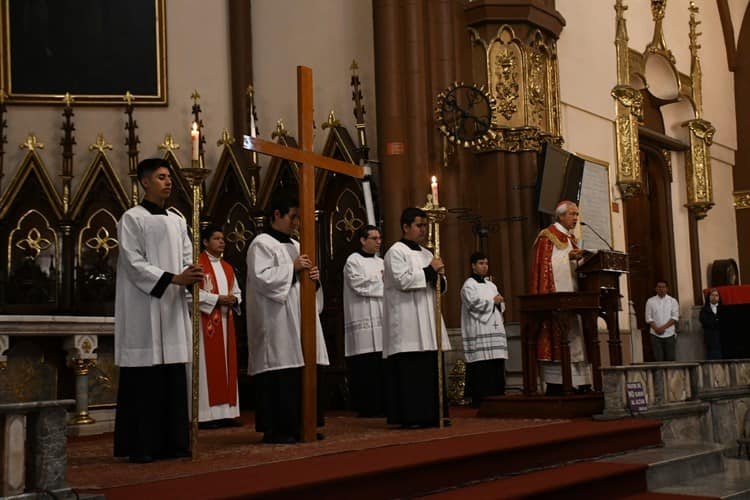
363, 304
564, 274
482, 327
273, 308
151, 330
208, 301
409, 303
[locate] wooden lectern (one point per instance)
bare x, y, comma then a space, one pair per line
598, 296
601, 272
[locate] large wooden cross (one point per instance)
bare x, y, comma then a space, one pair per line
307, 161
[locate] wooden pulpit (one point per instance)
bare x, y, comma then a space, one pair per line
557, 311
600, 272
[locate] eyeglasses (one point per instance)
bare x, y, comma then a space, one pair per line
376, 238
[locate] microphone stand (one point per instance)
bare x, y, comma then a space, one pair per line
597, 235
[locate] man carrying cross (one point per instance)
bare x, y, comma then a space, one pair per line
306, 160
273, 324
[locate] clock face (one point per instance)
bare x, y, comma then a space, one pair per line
464, 114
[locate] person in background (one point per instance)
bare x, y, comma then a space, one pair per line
709, 318
483, 332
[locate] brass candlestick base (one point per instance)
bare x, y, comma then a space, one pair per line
435, 215
195, 176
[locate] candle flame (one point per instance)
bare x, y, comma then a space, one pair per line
195, 127
434, 179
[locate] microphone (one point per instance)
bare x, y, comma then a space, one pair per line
597, 234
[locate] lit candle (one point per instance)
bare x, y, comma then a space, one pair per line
434, 187
195, 139
252, 125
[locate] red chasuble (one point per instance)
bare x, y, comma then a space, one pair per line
543, 281
222, 386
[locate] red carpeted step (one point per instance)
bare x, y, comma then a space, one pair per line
573, 481
413, 468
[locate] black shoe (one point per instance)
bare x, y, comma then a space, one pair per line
447, 422
554, 390
213, 424
141, 459
320, 436
271, 438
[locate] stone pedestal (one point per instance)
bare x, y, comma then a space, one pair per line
33, 446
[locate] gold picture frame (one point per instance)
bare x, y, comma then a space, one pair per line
96, 50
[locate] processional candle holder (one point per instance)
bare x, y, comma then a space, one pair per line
435, 215
195, 175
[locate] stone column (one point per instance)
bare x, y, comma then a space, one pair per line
13, 448
4, 346
82, 358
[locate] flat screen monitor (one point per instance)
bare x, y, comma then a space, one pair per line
560, 176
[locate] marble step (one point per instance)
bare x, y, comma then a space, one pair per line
675, 463
731, 483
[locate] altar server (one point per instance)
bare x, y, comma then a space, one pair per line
274, 267
483, 333
409, 341
219, 297
153, 333
363, 324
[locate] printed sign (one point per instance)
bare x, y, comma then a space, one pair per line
636, 396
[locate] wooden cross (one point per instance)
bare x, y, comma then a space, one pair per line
307, 161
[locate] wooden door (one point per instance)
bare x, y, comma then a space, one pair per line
649, 236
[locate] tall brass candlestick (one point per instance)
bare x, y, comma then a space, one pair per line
196, 175
435, 215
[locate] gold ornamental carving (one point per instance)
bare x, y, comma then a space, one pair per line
521, 73
629, 113
102, 243
506, 86
741, 200
698, 167
240, 236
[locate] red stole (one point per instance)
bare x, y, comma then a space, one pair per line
222, 386
543, 281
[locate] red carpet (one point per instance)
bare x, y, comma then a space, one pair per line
360, 455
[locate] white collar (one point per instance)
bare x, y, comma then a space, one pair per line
212, 258
561, 228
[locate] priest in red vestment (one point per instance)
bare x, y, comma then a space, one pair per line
556, 256
219, 297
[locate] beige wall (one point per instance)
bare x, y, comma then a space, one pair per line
194, 62
325, 35
588, 73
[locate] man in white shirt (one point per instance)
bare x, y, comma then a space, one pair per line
363, 324
409, 341
153, 331
483, 332
662, 314
274, 268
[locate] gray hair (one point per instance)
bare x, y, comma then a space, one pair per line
562, 207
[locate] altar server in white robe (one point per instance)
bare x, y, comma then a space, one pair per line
409, 340
483, 333
363, 324
274, 268
220, 297
153, 333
